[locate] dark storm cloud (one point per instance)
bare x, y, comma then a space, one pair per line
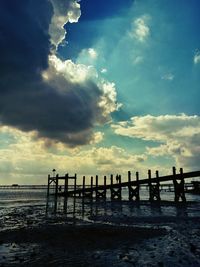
26, 101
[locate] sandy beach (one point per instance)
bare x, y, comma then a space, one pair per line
100, 234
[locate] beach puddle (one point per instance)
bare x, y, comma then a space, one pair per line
13, 254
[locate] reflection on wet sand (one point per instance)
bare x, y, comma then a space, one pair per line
85, 232
116, 211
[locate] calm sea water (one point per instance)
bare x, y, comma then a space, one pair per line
25, 208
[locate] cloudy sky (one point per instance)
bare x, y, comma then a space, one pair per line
98, 87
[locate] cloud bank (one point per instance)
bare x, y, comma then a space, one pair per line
177, 136
59, 100
33, 160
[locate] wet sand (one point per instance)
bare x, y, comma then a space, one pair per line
158, 244
100, 234
72, 245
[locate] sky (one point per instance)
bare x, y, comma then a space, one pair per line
98, 87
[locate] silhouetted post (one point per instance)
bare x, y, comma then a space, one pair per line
174, 171
75, 178
150, 186
83, 186
157, 175
157, 189
129, 186
48, 185
111, 187
179, 186
104, 187
129, 177
133, 191
66, 184
111, 179
56, 184
96, 190
138, 187
120, 187
115, 191
182, 186
91, 186
176, 198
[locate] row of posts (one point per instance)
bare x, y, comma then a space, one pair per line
116, 187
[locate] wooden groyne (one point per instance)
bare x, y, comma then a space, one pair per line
154, 184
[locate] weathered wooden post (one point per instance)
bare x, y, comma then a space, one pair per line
174, 172
176, 198
111, 179
115, 192
182, 186
120, 187
111, 187
75, 178
150, 186
129, 186
48, 185
83, 193
137, 187
91, 187
66, 184
178, 187
104, 187
56, 184
96, 188
133, 191
154, 188
157, 187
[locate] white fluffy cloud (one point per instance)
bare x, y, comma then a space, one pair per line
67, 69
178, 135
64, 11
27, 159
140, 29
